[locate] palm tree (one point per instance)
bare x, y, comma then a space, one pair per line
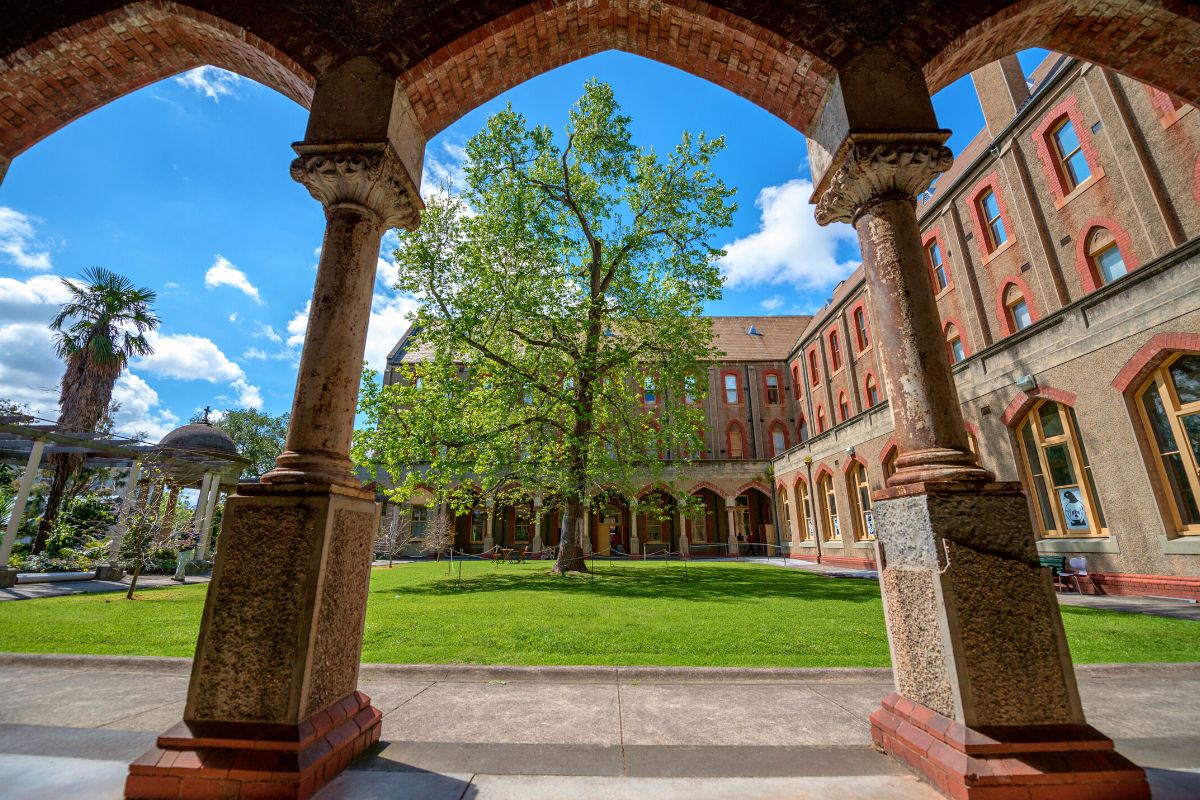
97, 331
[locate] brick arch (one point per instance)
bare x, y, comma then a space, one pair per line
1153, 42
80, 67
960, 330
1089, 279
823, 469
712, 487
1020, 405
657, 486
851, 461
755, 484
1150, 356
761, 66
1006, 327
889, 449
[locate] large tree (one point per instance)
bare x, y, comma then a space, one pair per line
259, 437
97, 331
560, 308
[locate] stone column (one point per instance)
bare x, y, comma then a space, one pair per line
111, 570
732, 515
586, 525
986, 694
488, 540
8, 575
635, 545
682, 523
536, 546
274, 679
210, 512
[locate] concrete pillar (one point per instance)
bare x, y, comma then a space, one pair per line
586, 525
731, 513
978, 652
635, 545
112, 569
684, 544
489, 540
536, 545
276, 665
201, 505
8, 575
210, 513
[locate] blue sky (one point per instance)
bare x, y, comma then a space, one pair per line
184, 187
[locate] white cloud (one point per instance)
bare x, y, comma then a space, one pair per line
233, 317
29, 370
789, 246
297, 326
389, 319
18, 241
188, 358
224, 273
254, 354
248, 395
139, 412
171, 286
773, 303
264, 331
35, 299
444, 171
212, 82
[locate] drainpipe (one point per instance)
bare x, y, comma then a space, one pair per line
752, 429
812, 505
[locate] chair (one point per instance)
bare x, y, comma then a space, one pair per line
517, 556
1077, 570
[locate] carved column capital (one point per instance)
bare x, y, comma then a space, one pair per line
873, 167
365, 174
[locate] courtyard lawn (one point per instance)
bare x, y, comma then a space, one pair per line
722, 614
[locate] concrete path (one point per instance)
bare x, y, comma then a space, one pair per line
68, 724
32, 591
1155, 606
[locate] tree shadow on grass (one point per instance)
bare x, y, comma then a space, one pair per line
708, 583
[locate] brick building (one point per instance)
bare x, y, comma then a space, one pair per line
1062, 249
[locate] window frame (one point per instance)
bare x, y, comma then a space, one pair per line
1062, 159
835, 351
952, 335
1161, 382
1080, 468
871, 390
737, 387
822, 421
814, 368
937, 267
777, 427
778, 387
862, 328
807, 525
859, 488
827, 496
988, 222
734, 425
843, 406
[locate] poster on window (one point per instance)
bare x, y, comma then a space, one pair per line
869, 518
1074, 512
812, 530
837, 530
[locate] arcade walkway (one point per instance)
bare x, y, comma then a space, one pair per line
70, 724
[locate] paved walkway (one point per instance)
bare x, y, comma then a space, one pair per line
69, 724
32, 591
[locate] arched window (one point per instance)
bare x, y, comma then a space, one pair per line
772, 384
843, 407
933, 253
872, 391
1072, 163
860, 328
1104, 256
954, 344
778, 438
802, 429
689, 389
1017, 309
889, 463
829, 507
1058, 472
732, 397
835, 351
787, 513
821, 423
796, 381
649, 395
860, 500
804, 509
736, 441
1170, 409
814, 375
993, 222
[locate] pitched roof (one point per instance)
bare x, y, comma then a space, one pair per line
774, 337
403, 352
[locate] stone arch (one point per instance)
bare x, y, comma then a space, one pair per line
757, 64
754, 484
712, 487
79, 67
1020, 405
852, 461
1150, 41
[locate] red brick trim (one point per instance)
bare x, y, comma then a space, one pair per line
962, 335
1007, 325
823, 469
1147, 359
712, 487
814, 366
779, 386
1048, 153
934, 234
843, 406
841, 561
889, 447
657, 486
1196, 181
800, 421
822, 420
836, 362
1024, 400
797, 379
851, 461
860, 305
1089, 278
799, 480
1168, 107
756, 484
729, 440
982, 239
736, 382
870, 376
1126, 583
777, 425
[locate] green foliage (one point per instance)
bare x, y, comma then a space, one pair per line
570, 275
83, 518
259, 437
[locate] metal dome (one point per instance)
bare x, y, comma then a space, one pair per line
201, 437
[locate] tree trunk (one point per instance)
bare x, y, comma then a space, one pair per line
65, 466
133, 580
570, 550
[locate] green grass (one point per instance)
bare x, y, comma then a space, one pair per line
724, 614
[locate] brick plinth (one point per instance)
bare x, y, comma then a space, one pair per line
249, 761
1006, 762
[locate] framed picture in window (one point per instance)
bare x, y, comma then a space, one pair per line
1074, 510
869, 519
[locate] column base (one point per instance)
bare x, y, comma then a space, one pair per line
1006, 762
240, 761
8, 577
109, 571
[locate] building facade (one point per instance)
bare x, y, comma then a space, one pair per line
1064, 254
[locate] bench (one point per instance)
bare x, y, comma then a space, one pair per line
1058, 569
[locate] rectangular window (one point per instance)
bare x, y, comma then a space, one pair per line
934, 253
735, 442
648, 395
778, 443
689, 389
773, 389
420, 520
814, 375
989, 207
957, 352
1074, 163
1020, 314
1110, 264
731, 389
478, 525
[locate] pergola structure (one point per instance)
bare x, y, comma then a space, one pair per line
188, 457
986, 702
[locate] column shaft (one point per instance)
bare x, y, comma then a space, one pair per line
23, 490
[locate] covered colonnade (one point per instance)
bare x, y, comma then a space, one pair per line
981, 662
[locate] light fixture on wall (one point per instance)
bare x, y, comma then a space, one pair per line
850, 451
1027, 383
